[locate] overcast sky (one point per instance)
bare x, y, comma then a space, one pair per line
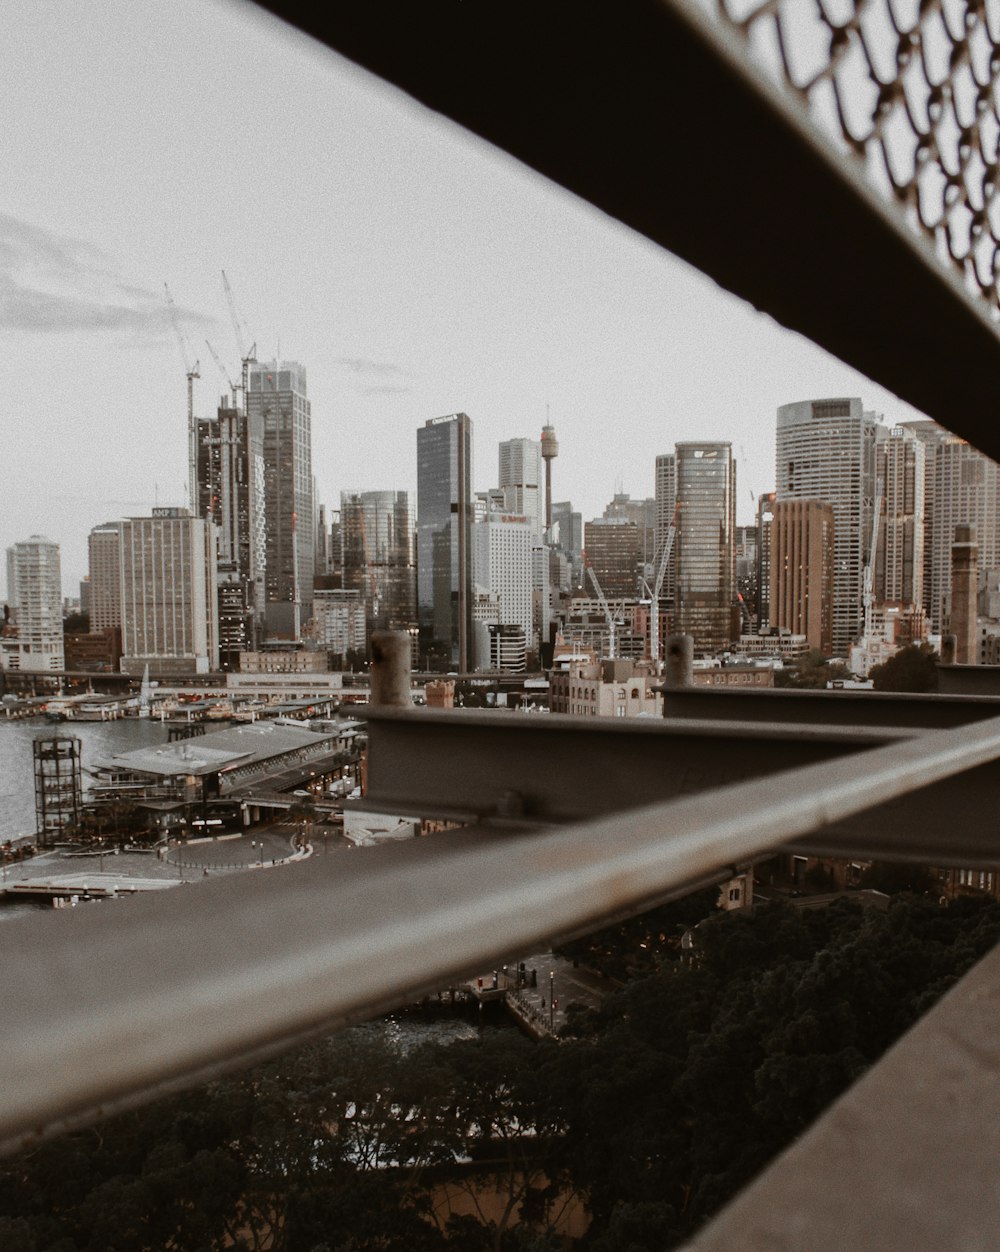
411, 268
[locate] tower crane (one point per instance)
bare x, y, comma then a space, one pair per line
233, 387
654, 591
192, 373
612, 621
246, 358
869, 574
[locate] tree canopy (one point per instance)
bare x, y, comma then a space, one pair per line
651, 1111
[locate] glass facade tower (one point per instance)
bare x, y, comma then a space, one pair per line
445, 515
378, 560
706, 528
279, 414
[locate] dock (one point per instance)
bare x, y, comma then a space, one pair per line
72, 888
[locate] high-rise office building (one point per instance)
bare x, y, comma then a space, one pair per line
170, 608
445, 513
765, 523
899, 566
520, 479
706, 525
34, 596
825, 450
643, 514
802, 547
612, 546
505, 573
378, 556
229, 487
105, 564
665, 496
966, 492
278, 409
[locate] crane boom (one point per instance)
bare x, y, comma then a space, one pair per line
609, 617
654, 614
192, 373
246, 358
869, 571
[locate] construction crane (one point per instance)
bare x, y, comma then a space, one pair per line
654, 591
869, 574
233, 387
246, 358
612, 621
192, 373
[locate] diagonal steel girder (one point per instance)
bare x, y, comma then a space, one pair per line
651, 110
553, 769
112, 1005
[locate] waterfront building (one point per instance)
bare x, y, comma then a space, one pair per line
706, 525
34, 597
170, 607
825, 450
802, 548
520, 480
278, 412
378, 556
445, 512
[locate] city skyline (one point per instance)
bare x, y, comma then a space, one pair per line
412, 269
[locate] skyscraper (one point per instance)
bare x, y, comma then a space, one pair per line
706, 525
445, 513
612, 546
504, 571
105, 562
966, 493
229, 493
170, 615
520, 479
278, 410
665, 496
34, 595
802, 547
825, 450
899, 568
378, 558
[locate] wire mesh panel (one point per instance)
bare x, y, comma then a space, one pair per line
911, 88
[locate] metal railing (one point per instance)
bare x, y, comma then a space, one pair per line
654, 111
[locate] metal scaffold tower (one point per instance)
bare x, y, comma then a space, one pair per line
58, 787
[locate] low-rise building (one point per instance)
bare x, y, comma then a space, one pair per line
586, 687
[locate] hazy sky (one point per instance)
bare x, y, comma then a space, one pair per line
412, 269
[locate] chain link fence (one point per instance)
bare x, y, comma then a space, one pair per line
911, 89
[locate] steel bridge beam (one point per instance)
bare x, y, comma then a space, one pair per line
222, 973
651, 110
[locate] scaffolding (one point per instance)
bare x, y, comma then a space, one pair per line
58, 787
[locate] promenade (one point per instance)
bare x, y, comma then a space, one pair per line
558, 983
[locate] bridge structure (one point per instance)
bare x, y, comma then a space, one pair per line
690, 122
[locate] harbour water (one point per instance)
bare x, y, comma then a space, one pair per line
98, 740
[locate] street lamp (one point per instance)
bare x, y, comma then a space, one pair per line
552, 1002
